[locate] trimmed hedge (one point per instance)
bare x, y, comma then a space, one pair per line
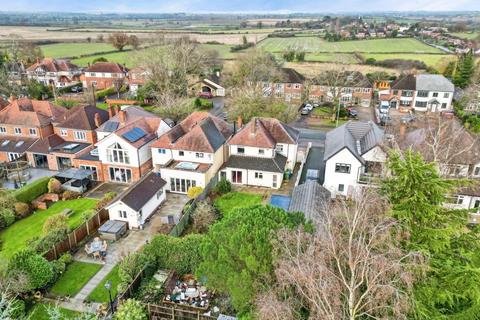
32, 190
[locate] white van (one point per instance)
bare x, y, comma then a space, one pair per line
384, 107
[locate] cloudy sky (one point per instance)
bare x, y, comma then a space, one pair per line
194, 6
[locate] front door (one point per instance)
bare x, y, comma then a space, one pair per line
237, 176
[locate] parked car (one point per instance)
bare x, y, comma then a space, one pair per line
408, 118
385, 119
305, 111
308, 106
206, 95
384, 107
352, 113
76, 89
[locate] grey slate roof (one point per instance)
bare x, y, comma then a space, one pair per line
357, 136
276, 164
214, 136
434, 82
310, 198
140, 193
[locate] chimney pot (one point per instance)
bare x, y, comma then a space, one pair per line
98, 120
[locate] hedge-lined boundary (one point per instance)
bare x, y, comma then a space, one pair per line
32, 190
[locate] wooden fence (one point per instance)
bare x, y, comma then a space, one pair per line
76, 236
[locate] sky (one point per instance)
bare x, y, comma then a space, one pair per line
237, 6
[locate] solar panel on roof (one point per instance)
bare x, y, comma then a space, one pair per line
111, 126
134, 134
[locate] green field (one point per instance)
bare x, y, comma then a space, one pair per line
14, 237
64, 50
433, 60
316, 44
75, 278
466, 35
125, 57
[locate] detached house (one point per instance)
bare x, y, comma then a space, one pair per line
102, 75
353, 157
49, 71
191, 153
423, 92
73, 136
288, 85
122, 153
260, 153
23, 122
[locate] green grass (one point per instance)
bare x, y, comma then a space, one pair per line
100, 294
14, 237
63, 50
123, 57
75, 278
233, 200
39, 312
323, 111
316, 44
466, 35
223, 50
433, 60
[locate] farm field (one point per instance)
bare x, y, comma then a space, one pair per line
15, 236
63, 50
434, 60
466, 35
315, 44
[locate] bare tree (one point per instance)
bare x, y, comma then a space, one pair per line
134, 41
350, 267
119, 40
118, 84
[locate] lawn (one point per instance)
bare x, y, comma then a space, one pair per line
223, 50
316, 44
14, 237
100, 294
65, 50
39, 312
122, 57
75, 277
466, 35
434, 60
233, 200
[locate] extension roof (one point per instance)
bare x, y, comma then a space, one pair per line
276, 164
83, 118
33, 113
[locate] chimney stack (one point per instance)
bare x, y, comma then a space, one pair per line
239, 122
98, 120
122, 116
253, 129
117, 109
12, 98
110, 111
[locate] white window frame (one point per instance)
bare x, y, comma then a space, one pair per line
18, 130
116, 154
12, 156
338, 167
122, 214
3, 130
32, 131
162, 151
199, 154
80, 135
63, 132
258, 175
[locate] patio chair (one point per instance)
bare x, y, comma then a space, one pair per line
88, 251
96, 255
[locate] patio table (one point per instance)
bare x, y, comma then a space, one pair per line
96, 246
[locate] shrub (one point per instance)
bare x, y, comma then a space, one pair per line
300, 56
371, 61
131, 310
22, 209
194, 192
107, 197
54, 186
66, 258
37, 269
223, 186
58, 268
7, 217
70, 195
130, 266
55, 222
32, 190
18, 309
203, 216
289, 55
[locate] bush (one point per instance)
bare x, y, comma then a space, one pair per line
54, 186
243, 46
21, 209
223, 186
58, 268
203, 216
7, 217
289, 55
107, 197
194, 192
202, 104
55, 222
70, 195
18, 309
371, 61
131, 310
300, 56
130, 266
66, 258
37, 269
32, 190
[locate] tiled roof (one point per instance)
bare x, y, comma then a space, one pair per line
106, 67
199, 132
434, 82
132, 113
346, 79
45, 145
148, 125
264, 133
53, 65
17, 144
34, 113
83, 118
289, 75
357, 136
276, 164
406, 83
140, 193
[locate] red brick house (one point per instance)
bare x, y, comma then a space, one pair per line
49, 71
288, 85
102, 75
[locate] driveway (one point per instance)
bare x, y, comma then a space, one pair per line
316, 137
218, 109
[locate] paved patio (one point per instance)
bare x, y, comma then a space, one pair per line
106, 187
34, 175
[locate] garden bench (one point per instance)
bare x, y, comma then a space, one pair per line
67, 212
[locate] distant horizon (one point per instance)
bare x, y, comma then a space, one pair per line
244, 6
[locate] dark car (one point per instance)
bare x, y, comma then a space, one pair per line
206, 95
76, 89
385, 119
352, 113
